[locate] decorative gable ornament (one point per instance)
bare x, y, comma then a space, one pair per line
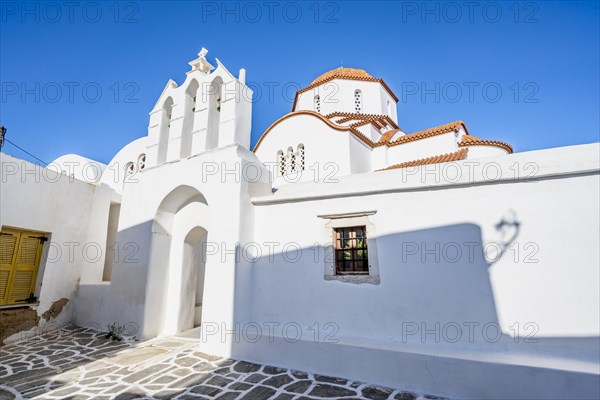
201, 64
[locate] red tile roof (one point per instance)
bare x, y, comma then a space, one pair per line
379, 120
442, 158
385, 139
353, 74
427, 133
304, 112
387, 136
468, 140
340, 73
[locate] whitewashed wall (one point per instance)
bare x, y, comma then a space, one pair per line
540, 208
40, 199
81, 168
546, 284
146, 290
360, 155
436, 145
484, 151
327, 150
337, 95
114, 175
193, 131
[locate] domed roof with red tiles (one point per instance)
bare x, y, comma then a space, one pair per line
342, 73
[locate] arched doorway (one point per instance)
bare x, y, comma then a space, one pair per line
193, 273
177, 265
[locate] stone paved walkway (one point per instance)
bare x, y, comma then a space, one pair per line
81, 364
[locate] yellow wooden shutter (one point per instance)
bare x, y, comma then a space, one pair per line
8, 247
20, 253
25, 271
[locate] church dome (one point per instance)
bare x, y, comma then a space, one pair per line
342, 73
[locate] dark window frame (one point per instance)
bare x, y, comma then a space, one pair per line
351, 250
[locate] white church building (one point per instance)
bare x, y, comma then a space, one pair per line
436, 260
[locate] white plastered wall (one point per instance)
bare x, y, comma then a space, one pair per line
337, 95
327, 150
40, 199
546, 283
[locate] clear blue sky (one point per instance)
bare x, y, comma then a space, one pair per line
542, 56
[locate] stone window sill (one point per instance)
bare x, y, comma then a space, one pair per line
356, 279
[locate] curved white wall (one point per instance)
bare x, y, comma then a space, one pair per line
115, 175
327, 150
78, 167
485, 151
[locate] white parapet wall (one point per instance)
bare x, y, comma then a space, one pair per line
488, 284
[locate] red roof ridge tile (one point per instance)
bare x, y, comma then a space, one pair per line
468, 140
333, 75
384, 140
441, 158
387, 136
427, 133
319, 116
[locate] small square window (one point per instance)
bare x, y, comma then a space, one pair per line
346, 257
351, 253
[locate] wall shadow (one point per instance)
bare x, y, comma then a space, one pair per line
429, 279
435, 300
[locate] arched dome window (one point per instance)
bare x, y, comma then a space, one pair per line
129, 168
291, 160
301, 156
141, 162
318, 103
357, 101
281, 162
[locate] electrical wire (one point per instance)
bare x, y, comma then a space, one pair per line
25, 151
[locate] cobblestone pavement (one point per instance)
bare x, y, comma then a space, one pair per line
82, 364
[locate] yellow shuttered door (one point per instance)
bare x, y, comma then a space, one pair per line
8, 252
20, 253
